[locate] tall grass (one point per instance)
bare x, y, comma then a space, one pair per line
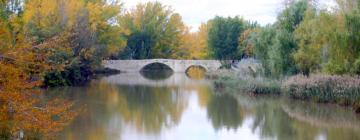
246, 84
344, 90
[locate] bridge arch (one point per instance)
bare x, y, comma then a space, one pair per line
198, 73
196, 66
155, 66
151, 71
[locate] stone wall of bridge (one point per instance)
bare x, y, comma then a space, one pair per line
180, 66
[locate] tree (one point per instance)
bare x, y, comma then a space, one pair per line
262, 40
328, 41
152, 30
20, 111
86, 28
246, 46
223, 37
275, 44
194, 44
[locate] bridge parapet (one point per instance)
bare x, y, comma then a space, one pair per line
179, 66
175, 65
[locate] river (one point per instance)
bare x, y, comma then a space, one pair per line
132, 106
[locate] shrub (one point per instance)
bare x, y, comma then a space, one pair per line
73, 75
250, 84
264, 86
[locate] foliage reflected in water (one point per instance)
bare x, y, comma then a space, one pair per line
123, 111
156, 71
224, 112
196, 72
284, 120
151, 108
26, 116
110, 107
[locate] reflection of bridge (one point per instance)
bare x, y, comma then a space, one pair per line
177, 79
175, 65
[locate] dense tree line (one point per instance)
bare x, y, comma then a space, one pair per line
152, 30
62, 41
306, 39
224, 37
275, 44
65, 40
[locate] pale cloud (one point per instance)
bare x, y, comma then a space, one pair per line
195, 12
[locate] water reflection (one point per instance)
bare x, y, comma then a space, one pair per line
175, 80
224, 112
118, 110
30, 115
151, 109
157, 75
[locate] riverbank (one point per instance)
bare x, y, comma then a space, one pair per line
75, 76
341, 90
235, 81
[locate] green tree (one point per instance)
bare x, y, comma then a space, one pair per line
276, 44
285, 45
223, 38
262, 40
152, 30
328, 41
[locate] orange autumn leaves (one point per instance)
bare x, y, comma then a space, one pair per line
22, 111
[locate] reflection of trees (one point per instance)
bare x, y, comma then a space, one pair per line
276, 118
321, 115
100, 100
272, 122
224, 111
25, 116
151, 108
337, 122
157, 75
204, 93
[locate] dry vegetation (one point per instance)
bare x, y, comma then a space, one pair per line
344, 90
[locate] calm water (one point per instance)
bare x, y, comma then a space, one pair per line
176, 107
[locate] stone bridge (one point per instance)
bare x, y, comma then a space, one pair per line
178, 66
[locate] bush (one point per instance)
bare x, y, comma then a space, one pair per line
251, 85
265, 86
71, 76
344, 90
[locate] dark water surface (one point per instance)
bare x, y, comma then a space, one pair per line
132, 107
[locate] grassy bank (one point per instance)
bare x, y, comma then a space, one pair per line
342, 90
245, 84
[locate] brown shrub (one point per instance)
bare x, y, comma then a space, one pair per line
344, 90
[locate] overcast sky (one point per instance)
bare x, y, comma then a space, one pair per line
195, 12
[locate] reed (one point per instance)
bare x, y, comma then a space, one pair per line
343, 90
257, 85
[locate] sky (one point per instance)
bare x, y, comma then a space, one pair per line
195, 12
